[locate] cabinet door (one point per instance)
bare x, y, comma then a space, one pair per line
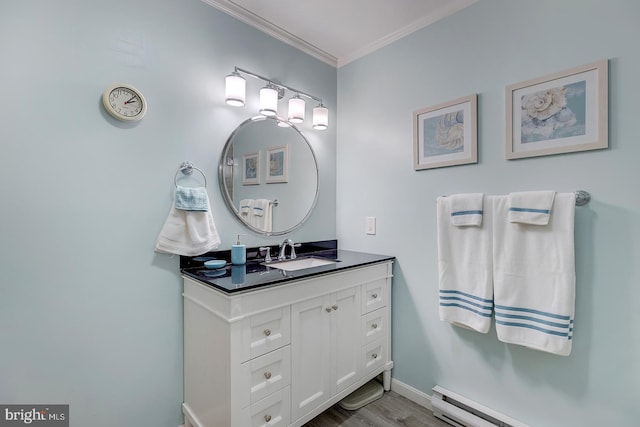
310, 354
345, 338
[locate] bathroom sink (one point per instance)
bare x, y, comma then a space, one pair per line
300, 263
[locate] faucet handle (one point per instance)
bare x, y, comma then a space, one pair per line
267, 258
293, 250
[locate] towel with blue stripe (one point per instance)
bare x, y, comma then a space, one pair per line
531, 207
465, 267
534, 278
466, 209
246, 210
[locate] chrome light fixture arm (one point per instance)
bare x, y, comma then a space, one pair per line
276, 84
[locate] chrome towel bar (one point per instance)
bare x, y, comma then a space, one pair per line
582, 197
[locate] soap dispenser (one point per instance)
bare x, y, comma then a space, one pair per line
238, 253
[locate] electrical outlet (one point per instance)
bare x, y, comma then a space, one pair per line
371, 225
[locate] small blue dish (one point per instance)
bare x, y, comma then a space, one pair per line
215, 263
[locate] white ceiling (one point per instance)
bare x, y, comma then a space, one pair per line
339, 31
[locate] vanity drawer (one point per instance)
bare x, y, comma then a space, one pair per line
374, 295
272, 411
265, 375
374, 325
265, 332
373, 355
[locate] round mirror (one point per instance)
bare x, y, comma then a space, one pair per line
268, 175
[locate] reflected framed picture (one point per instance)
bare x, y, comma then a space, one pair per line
251, 168
278, 164
446, 134
558, 113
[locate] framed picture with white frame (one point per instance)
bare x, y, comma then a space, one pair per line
562, 112
278, 164
446, 134
251, 168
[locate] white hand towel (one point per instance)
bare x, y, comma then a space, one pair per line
246, 209
465, 271
534, 277
466, 209
262, 215
531, 207
188, 233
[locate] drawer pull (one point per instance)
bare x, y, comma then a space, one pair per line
374, 326
267, 375
328, 309
267, 332
374, 355
267, 418
374, 296
335, 307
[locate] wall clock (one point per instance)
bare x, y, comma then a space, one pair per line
124, 102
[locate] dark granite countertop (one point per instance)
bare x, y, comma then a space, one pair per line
232, 279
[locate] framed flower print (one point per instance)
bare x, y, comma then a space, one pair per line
558, 113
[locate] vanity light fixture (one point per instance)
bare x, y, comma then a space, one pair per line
320, 117
235, 88
269, 100
296, 109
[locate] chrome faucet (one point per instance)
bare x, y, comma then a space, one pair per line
267, 257
283, 247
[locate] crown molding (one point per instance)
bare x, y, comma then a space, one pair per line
449, 9
274, 31
256, 21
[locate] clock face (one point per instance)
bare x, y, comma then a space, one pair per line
124, 102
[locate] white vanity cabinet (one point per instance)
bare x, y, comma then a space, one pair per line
280, 355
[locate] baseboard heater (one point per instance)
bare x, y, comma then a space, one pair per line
462, 412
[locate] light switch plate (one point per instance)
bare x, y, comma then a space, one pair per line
371, 225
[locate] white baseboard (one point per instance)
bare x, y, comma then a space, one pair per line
413, 394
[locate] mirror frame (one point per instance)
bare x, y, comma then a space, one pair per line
225, 193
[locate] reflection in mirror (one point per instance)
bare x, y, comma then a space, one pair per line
268, 175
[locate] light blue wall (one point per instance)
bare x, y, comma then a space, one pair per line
89, 314
480, 50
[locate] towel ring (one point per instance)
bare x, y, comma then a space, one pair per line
187, 169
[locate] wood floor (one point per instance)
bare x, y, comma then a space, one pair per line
391, 410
